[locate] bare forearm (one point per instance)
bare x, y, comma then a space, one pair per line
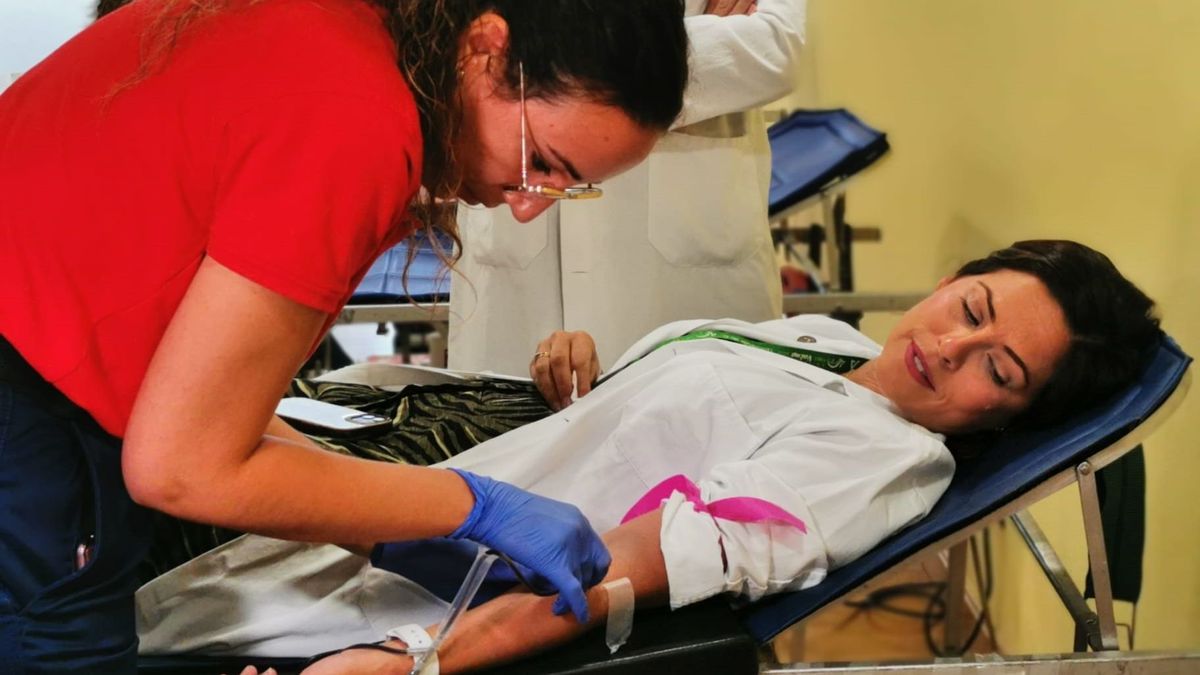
520, 623
297, 491
280, 429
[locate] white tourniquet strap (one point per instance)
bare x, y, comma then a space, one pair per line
416, 640
414, 636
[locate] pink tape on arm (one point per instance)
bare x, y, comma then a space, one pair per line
655, 496
736, 509
753, 510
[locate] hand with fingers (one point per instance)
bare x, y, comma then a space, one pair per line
565, 362
551, 540
731, 7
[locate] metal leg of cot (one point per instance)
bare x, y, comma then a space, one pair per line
957, 621
1093, 628
1093, 529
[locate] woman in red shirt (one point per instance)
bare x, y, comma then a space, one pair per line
189, 192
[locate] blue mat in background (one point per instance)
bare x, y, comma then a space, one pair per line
428, 280
811, 148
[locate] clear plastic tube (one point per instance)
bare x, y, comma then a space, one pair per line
462, 600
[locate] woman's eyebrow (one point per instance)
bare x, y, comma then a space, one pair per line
991, 308
1024, 368
992, 313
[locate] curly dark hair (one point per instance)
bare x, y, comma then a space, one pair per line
1114, 330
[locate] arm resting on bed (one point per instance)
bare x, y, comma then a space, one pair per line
519, 624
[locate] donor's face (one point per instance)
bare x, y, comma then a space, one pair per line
974, 353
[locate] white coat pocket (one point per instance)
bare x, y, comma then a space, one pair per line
684, 423
708, 207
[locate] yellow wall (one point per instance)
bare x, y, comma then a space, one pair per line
1039, 118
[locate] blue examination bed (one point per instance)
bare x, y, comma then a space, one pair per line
712, 638
428, 280
814, 149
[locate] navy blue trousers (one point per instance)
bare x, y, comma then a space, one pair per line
61, 486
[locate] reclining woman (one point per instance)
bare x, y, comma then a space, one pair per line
804, 413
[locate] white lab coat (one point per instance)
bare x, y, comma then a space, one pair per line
681, 235
737, 420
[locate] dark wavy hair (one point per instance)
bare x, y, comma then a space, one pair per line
631, 54
1113, 326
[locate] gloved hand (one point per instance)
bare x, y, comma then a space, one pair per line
551, 538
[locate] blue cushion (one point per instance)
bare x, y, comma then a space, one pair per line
428, 280
1017, 463
811, 148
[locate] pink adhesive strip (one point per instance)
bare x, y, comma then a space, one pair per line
736, 509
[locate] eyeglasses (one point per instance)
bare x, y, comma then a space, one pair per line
588, 191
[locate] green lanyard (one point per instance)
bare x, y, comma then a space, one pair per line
833, 363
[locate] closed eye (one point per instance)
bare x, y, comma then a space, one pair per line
971, 318
996, 377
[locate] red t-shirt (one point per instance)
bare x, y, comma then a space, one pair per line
279, 138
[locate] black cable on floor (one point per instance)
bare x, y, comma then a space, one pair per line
934, 593
881, 598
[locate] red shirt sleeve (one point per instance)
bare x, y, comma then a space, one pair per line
312, 187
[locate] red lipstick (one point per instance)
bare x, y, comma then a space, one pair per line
914, 360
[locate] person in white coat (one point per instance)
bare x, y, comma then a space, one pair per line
683, 234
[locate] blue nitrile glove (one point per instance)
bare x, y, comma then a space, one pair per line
502, 576
551, 538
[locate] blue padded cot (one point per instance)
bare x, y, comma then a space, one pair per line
810, 149
428, 280
712, 638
